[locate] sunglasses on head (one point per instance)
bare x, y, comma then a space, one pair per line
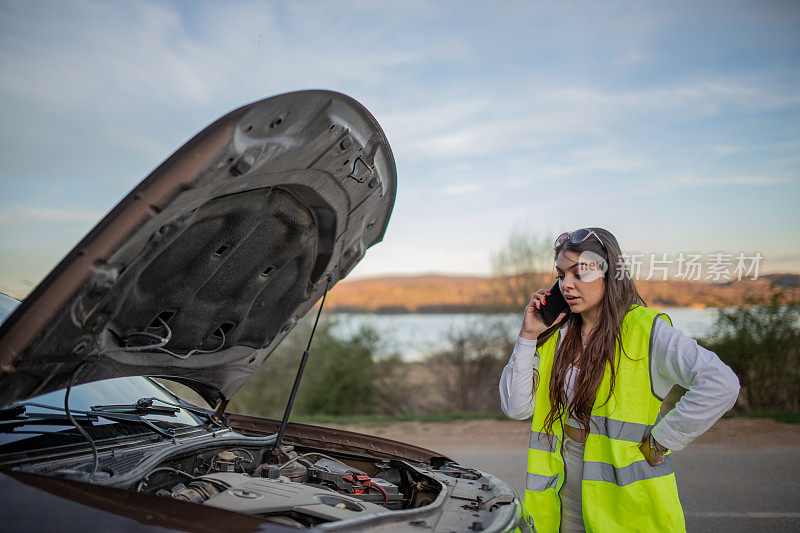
577, 237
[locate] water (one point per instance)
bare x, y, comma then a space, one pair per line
413, 336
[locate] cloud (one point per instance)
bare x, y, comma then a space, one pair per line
632, 57
458, 190
724, 181
483, 106
153, 55
542, 115
145, 54
727, 149
94, 53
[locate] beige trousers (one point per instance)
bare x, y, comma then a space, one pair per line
571, 508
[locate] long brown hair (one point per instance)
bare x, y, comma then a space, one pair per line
620, 293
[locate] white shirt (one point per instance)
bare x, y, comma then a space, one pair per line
677, 359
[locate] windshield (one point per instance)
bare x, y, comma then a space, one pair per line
117, 391
7, 305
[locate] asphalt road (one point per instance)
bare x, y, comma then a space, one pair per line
721, 490
742, 475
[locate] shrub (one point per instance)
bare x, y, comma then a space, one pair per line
465, 374
761, 343
345, 377
522, 266
342, 376
267, 391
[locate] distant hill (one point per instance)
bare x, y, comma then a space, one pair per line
458, 294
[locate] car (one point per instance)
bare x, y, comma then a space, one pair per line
191, 281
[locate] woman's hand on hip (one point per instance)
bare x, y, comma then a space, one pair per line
532, 323
652, 451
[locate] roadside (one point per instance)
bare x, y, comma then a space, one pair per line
741, 475
442, 432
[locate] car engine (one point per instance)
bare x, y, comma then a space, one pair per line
297, 485
298, 489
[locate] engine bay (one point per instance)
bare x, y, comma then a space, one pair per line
330, 486
298, 489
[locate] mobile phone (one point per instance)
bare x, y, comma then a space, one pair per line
554, 306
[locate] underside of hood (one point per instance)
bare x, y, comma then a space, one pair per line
208, 263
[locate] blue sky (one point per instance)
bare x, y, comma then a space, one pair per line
676, 125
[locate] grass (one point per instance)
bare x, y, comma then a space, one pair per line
384, 420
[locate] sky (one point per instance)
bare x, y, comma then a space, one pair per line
675, 125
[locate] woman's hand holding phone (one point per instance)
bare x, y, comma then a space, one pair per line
532, 323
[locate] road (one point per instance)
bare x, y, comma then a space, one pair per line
743, 475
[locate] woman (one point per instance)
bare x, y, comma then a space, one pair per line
598, 456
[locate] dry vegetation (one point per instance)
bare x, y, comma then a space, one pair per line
453, 294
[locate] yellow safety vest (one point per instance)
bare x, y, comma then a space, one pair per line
620, 490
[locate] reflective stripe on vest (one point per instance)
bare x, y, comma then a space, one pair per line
596, 471
538, 482
620, 490
617, 429
543, 442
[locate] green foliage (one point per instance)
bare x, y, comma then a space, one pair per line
342, 377
386, 420
267, 391
761, 343
346, 377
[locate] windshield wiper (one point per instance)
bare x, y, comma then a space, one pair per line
130, 414
143, 406
7, 413
9, 423
199, 411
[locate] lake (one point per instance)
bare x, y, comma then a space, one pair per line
415, 335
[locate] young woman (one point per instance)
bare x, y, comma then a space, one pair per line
594, 381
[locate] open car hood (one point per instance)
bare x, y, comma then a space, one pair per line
221, 249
